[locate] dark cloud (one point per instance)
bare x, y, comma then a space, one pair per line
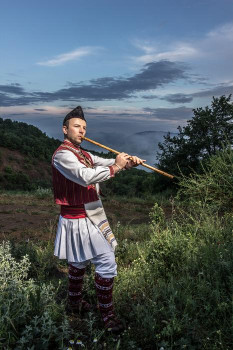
179, 113
15, 89
149, 97
17, 114
195, 78
177, 98
151, 76
40, 109
185, 98
7, 100
216, 91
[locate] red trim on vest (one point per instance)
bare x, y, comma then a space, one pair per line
67, 192
73, 212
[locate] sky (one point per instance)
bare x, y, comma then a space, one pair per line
138, 68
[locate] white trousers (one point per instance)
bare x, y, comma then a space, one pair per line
105, 264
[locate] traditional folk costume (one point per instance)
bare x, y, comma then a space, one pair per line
83, 233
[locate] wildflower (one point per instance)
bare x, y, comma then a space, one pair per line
71, 341
79, 342
69, 348
95, 340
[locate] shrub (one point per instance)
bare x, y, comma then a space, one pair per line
43, 192
177, 292
213, 188
29, 315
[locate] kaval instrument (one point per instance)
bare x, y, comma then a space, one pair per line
117, 152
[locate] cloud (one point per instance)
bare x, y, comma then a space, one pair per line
15, 89
173, 98
17, 114
29, 111
216, 91
149, 97
177, 98
211, 55
219, 90
69, 56
179, 113
152, 76
179, 51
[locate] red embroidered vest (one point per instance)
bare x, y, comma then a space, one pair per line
67, 192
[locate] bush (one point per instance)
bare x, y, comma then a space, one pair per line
43, 192
177, 292
29, 317
212, 189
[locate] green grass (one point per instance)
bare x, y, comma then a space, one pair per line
163, 198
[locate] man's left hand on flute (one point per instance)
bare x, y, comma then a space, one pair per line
134, 161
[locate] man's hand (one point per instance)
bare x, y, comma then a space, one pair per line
121, 161
134, 161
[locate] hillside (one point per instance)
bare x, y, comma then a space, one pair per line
20, 172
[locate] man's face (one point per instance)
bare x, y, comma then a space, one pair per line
75, 130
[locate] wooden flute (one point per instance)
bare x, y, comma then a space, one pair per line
116, 152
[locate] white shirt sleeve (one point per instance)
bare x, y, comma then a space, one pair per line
101, 161
69, 166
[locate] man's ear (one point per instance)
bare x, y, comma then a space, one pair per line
64, 128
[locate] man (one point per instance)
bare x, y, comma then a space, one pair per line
83, 233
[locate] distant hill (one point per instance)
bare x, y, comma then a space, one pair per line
151, 132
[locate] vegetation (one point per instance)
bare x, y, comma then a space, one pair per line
174, 284
209, 131
28, 139
30, 317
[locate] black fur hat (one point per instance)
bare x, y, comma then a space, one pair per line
75, 113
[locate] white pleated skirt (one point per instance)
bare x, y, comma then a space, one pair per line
79, 240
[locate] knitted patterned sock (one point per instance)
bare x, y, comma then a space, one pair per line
75, 285
104, 287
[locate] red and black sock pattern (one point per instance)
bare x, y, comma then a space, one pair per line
104, 287
75, 285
